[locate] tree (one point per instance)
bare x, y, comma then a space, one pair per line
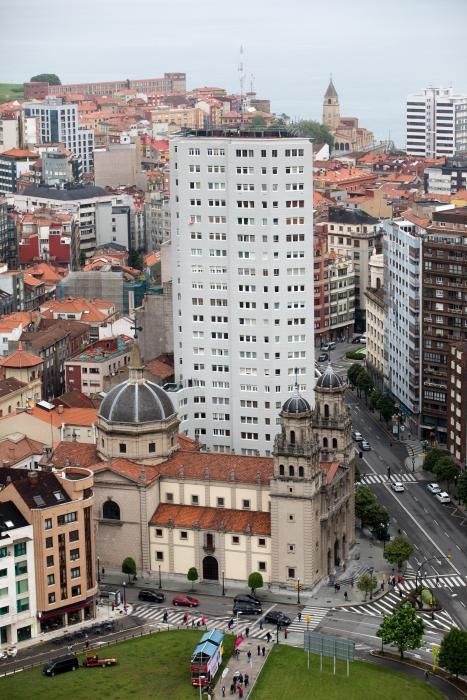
386, 407
129, 567
398, 551
313, 130
403, 629
432, 458
365, 383
50, 78
354, 372
453, 651
255, 581
258, 120
375, 398
367, 583
446, 470
377, 517
192, 576
364, 499
462, 487
135, 259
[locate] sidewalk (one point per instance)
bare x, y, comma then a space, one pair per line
242, 665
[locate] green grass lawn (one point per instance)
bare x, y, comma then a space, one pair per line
148, 667
10, 92
286, 677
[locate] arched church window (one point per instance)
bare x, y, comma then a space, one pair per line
325, 442
292, 437
291, 470
326, 410
281, 470
301, 471
334, 443
111, 510
329, 101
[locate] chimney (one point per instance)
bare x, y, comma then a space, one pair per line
60, 408
5, 463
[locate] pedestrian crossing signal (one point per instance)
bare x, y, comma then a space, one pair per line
298, 586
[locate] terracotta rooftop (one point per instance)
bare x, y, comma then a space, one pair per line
20, 153
70, 416
73, 454
8, 386
330, 469
90, 309
125, 467
20, 358
73, 399
219, 467
162, 366
241, 521
16, 447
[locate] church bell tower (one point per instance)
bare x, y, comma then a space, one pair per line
331, 109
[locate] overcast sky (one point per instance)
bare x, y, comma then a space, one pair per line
377, 50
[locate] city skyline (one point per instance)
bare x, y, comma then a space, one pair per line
315, 42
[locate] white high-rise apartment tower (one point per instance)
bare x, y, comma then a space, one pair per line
436, 123
242, 246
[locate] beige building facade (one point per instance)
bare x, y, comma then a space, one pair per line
375, 316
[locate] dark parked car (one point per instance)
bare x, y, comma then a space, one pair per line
61, 665
323, 357
248, 599
276, 617
151, 596
356, 339
243, 607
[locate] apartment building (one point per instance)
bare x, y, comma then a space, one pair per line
403, 272
59, 124
457, 403
60, 509
355, 234
436, 123
18, 618
13, 164
334, 292
242, 242
170, 83
87, 371
444, 314
449, 178
375, 320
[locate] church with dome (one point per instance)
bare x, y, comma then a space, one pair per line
171, 506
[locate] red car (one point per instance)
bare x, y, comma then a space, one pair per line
96, 662
186, 600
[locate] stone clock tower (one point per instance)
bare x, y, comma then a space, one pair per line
295, 498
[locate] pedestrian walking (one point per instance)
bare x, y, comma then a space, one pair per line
203, 621
400, 592
237, 653
231, 622
70, 649
346, 595
336, 587
223, 691
86, 643
232, 688
393, 580
286, 633
382, 586
165, 617
249, 657
198, 622
240, 692
261, 624
259, 650
299, 616
427, 676
247, 632
240, 678
246, 680
268, 637
193, 622
263, 649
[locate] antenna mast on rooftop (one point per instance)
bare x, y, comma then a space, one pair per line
241, 73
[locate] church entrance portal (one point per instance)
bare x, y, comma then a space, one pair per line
210, 569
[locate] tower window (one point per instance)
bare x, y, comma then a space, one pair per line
122, 447
334, 443
292, 437
325, 442
301, 471
281, 470
329, 101
291, 471
152, 447
326, 410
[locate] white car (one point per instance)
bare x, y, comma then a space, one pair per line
443, 497
363, 340
434, 488
397, 486
365, 445
358, 437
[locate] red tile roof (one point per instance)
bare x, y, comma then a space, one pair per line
217, 467
20, 358
15, 450
73, 454
132, 470
69, 416
330, 469
241, 521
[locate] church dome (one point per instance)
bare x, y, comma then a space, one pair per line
329, 379
136, 400
296, 404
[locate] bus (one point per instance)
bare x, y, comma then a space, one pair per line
207, 658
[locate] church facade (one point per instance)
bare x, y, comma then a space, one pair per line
348, 135
162, 501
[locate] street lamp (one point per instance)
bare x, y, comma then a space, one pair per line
371, 581
223, 584
160, 580
200, 684
298, 592
277, 633
124, 593
98, 570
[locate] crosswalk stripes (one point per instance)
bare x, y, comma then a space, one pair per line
316, 616
383, 479
409, 571
385, 606
414, 447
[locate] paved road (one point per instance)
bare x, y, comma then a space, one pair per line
435, 529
